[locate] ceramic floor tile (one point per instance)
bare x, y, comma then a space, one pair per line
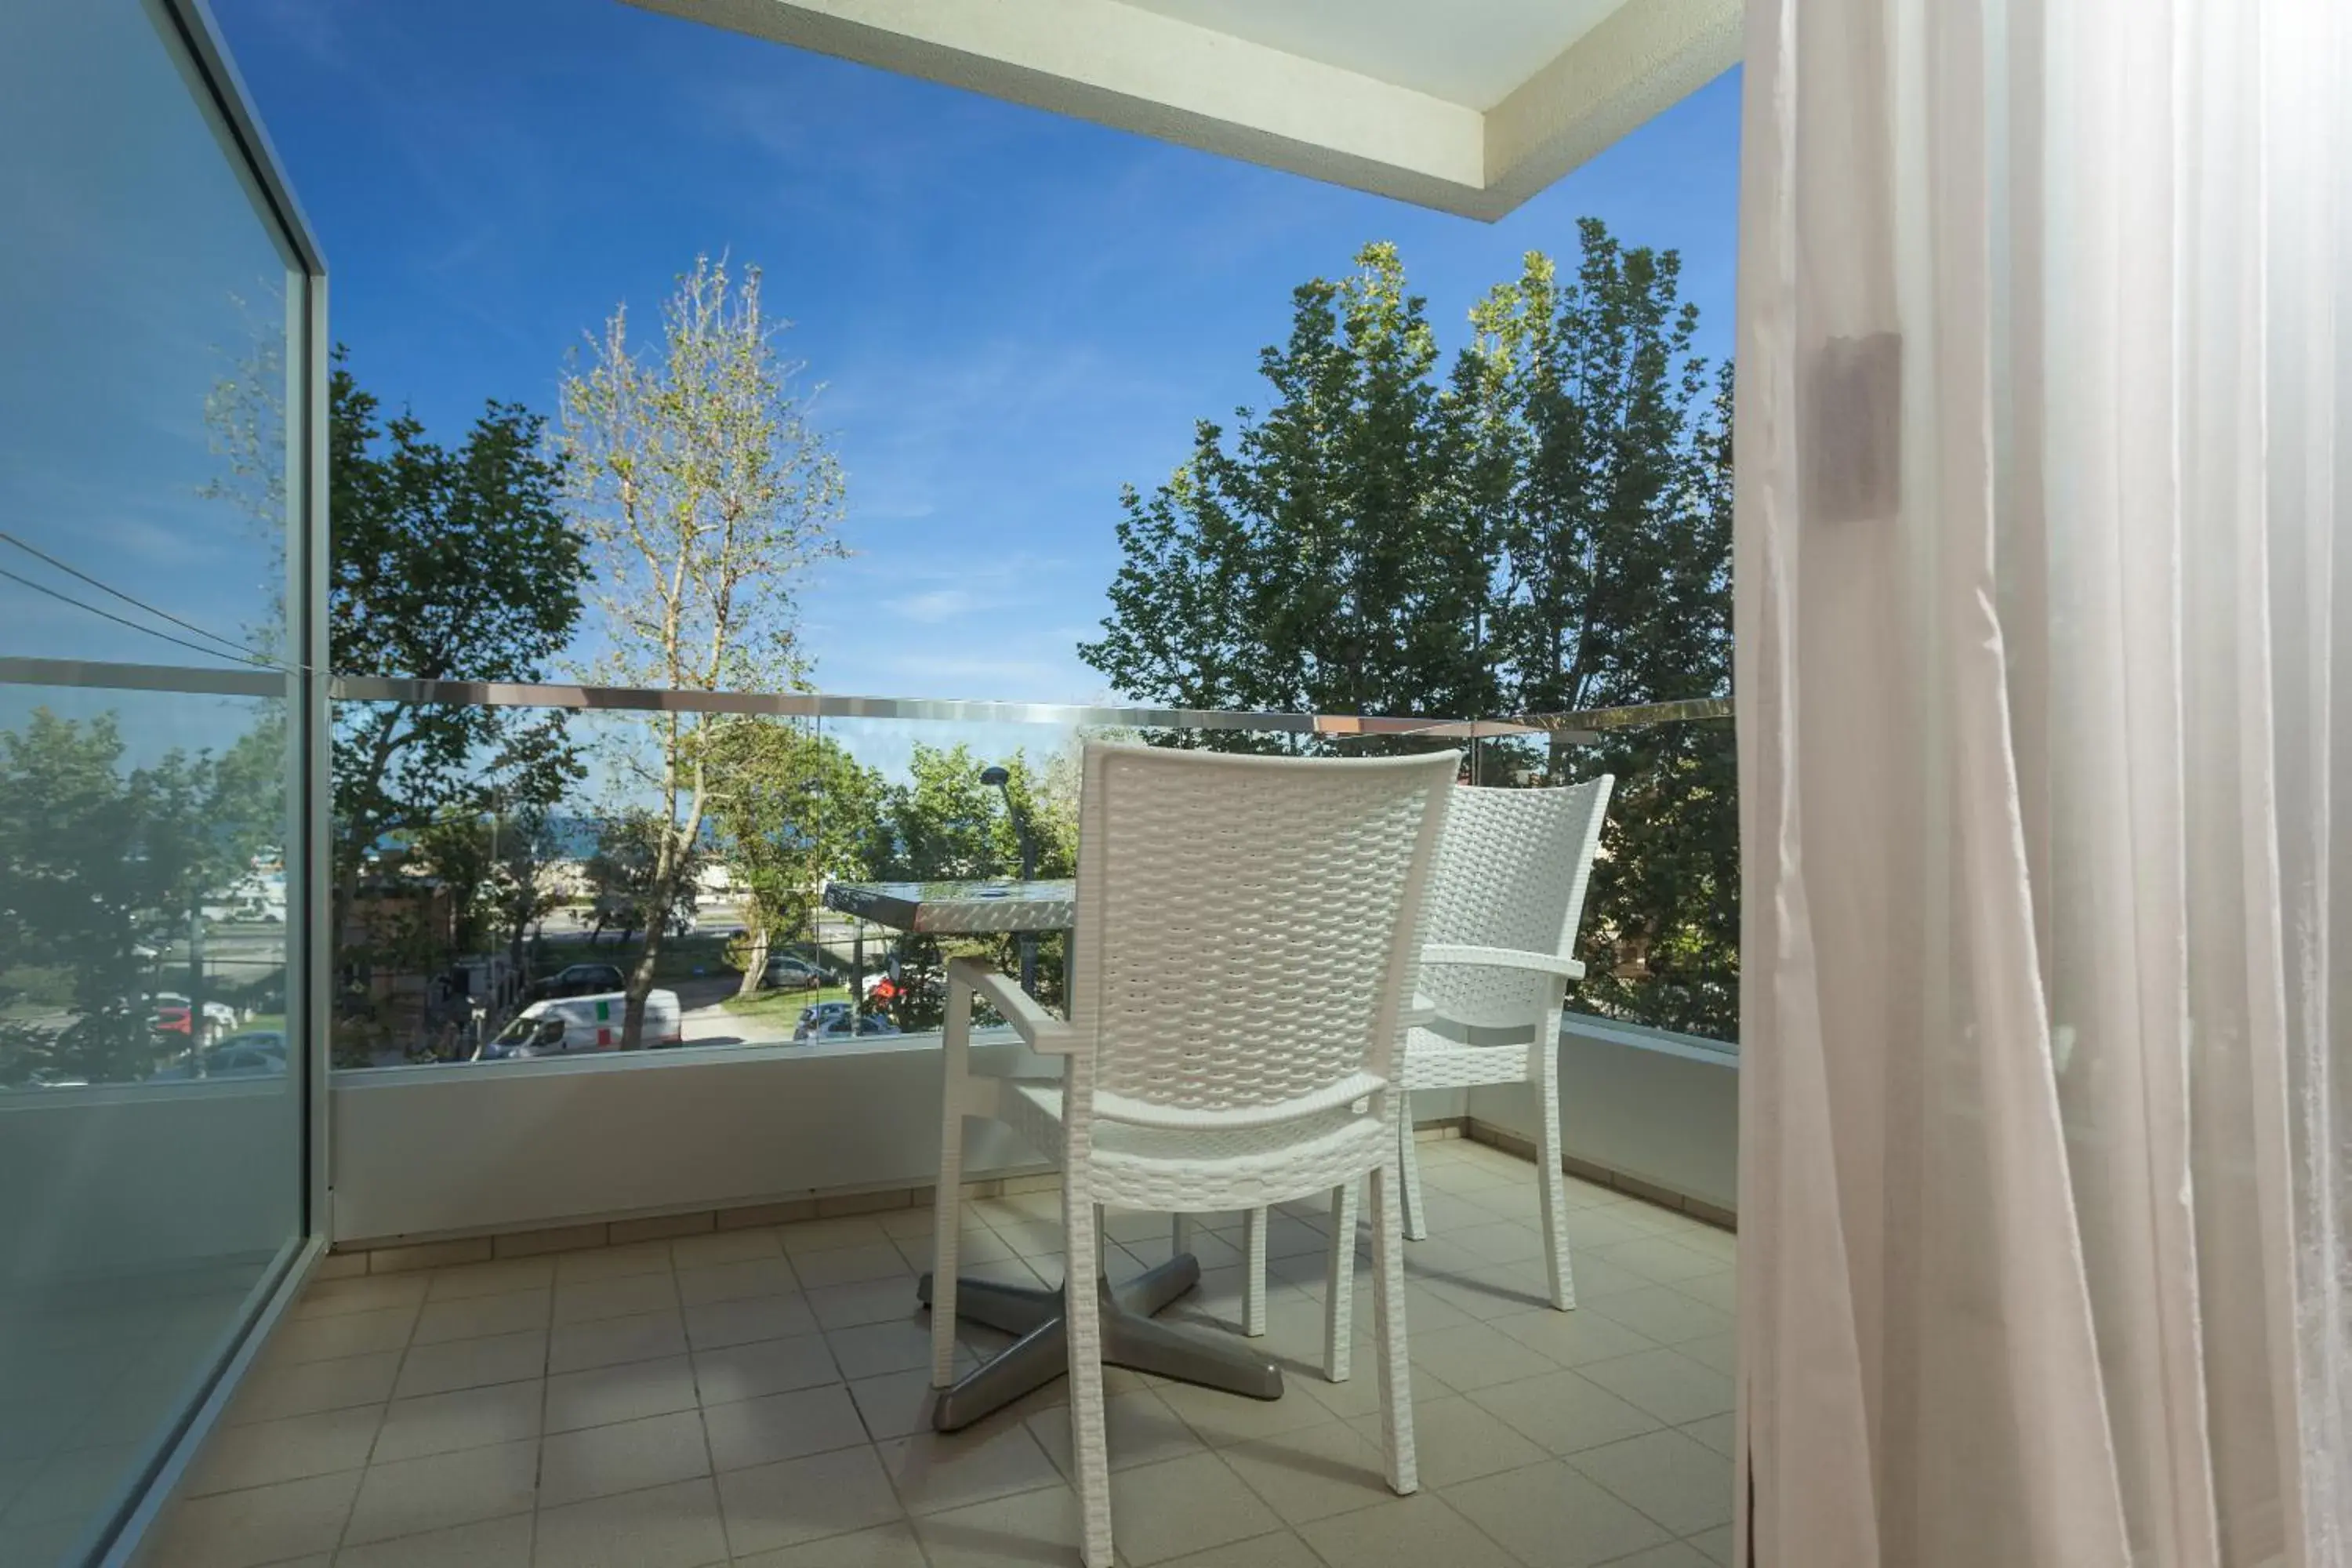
360, 1293
825, 1234
308, 1387
490, 1543
885, 1546
629, 1391
472, 1364
611, 1342
675, 1526
597, 1461
1663, 1313
1717, 1432
1221, 1418
872, 1349
261, 1525
1282, 1549
478, 1316
1571, 1339
777, 1426
596, 1263
1142, 1430
1720, 1351
896, 1405
1680, 1482
1418, 1531
1184, 1506
343, 1334
938, 1470
1033, 1530
1312, 1473
866, 1301
769, 1366
1550, 1515
710, 1325
1564, 1413
1457, 1440
504, 1276
267, 1452
465, 1418
1669, 1385
784, 1504
1476, 1355
851, 1264
1673, 1554
1661, 1258
1715, 1545
629, 1295
740, 1280
412, 1496
724, 1247
1720, 1289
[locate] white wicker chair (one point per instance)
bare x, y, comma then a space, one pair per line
1245, 948
1504, 905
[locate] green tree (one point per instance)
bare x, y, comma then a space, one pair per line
1312, 561
697, 472
106, 863
944, 824
444, 565
1545, 529
791, 809
629, 876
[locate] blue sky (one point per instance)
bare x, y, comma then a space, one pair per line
1012, 313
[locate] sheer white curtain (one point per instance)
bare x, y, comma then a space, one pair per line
2045, 584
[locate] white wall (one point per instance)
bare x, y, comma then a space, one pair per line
491, 1146
1659, 1107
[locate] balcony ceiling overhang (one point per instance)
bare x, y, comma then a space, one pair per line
1468, 106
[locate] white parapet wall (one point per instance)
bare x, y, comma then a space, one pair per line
490, 1147
1660, 1107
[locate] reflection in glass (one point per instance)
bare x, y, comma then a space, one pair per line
152, 1107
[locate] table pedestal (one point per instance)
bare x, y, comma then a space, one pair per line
1132, 1337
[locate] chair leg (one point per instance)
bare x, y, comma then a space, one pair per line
947, 1200
1089, 1443
1254, 1273
1550, 1193
1416, 1217
1339, 1286
1187, 1230
1388, 1319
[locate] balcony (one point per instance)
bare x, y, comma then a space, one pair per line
716, 1388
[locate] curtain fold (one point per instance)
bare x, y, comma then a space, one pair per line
2045, 393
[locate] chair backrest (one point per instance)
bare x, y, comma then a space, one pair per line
1511, 872
1247, 927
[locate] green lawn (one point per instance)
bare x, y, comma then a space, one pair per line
783, 1006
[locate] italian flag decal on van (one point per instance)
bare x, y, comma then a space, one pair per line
603, 1017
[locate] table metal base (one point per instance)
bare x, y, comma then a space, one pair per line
1132, 1338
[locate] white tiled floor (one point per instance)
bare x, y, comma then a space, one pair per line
758, 1397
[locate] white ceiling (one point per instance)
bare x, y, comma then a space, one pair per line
1470, 52
1468, 106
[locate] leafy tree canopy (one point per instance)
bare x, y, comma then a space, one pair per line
1542, 527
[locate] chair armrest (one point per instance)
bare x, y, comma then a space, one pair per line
1039, 1029
1505, 958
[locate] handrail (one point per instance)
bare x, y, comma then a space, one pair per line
832, 705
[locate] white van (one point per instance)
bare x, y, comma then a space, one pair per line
576, 1025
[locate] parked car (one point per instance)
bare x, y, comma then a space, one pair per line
830, 1020
578, 980
785, 972
253, 1053
580, 1026
217, 1014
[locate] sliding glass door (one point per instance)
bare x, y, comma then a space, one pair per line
158, 365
